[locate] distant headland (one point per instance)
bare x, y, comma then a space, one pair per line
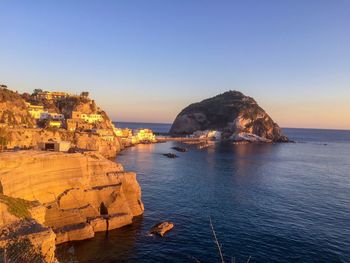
228, 116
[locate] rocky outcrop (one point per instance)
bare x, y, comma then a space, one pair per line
230, 113
30, 138
13, 110
28, 241
74, 232
162, 228
93, 142
71, 195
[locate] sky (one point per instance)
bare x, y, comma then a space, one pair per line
144, 61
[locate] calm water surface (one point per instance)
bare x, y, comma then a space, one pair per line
275, 203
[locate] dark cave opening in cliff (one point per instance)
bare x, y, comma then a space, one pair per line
103, 209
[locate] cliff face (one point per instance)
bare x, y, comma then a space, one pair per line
28, 138
231, 113
19, 129
69, 194
13, 110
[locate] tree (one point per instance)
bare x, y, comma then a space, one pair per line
36, 91
84, 94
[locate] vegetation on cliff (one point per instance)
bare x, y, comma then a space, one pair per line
13, 109
17, 206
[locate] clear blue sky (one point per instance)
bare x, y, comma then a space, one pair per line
146, 60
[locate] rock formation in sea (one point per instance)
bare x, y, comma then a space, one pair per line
47, 198
236, 116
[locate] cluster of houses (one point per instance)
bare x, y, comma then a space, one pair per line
79, 121
57, 120
129, 137
41, 115
143, 136
93, 124
44, 118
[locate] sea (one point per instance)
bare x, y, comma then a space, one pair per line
286, 202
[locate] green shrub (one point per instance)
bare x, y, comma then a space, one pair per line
17, 206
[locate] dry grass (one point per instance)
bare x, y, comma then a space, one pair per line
233, 259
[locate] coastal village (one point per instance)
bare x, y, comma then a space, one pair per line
58, 182
57, 112
175, 131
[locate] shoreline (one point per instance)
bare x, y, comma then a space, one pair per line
74, 202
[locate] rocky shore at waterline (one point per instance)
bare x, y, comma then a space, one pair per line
48, 198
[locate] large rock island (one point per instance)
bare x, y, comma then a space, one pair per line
232, 115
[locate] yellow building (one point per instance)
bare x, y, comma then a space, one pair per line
55, 124
145, 135
35, 110
48, 95
71, 125
134, 140
124, 133
90, 118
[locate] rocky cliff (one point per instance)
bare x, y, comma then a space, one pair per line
13, 110
19, 129
25, 138
232, 113
65, 196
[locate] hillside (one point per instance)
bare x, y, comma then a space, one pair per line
232, 113
13, 109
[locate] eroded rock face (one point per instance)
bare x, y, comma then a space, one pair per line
74, 195
30, 138
230, 112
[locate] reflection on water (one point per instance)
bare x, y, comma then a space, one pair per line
115, 246
274, 202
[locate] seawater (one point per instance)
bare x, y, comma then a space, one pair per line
271, 202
